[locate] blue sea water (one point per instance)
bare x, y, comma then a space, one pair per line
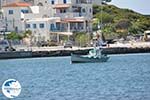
123, 77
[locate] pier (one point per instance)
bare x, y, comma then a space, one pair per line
67, 52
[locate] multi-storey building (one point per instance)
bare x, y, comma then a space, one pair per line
16, 15
76, 15
47, 19
97, 2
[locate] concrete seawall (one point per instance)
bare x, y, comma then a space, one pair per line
122, 50
12, 55
32, 54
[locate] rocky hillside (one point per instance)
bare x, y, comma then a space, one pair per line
120, 22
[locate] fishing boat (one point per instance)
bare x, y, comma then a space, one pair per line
94, 55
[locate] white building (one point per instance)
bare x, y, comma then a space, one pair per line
40, 27
47, 18
97, 2
16, 15
76, 15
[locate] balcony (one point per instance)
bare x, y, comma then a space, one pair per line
67, 15
61, 6
30, 15
66, 30
84, 2
73, 28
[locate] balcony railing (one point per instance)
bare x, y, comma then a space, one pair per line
30, 15
84, 2
72, 29
67, 15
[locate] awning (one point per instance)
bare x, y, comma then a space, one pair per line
74, 20
59, 6
62, 33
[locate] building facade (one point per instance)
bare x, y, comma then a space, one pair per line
76, 15
46, 18
16, 15
97, 2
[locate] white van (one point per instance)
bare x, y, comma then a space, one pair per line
147, 33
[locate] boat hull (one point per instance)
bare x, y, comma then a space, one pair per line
82, 59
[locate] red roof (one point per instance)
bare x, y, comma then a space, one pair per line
17, 4
59, 6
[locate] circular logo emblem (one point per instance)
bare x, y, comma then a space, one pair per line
11, 88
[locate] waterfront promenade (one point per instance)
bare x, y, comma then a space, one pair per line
31, 52
58, 48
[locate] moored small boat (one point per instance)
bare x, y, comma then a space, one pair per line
86, 59
94, 55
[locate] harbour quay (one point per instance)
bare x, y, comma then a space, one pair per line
68, 51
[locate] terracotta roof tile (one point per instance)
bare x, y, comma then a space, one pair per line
17, 4
59, 6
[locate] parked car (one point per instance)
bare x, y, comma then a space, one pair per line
4, 46
10, 49
52, 43
45, 44
68, 44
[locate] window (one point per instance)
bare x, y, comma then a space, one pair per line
65, 1
52, 27
83, 10
40, 4
90, 10
24, 11
34, 25
41, 25
62, 10
27, 25
52, 2
16, 29
10, 12
77, 1
58, 26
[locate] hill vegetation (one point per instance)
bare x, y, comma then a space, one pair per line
119, 22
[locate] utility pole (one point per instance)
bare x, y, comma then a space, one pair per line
101, 15
102, 1
0, 4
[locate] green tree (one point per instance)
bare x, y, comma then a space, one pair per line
123, 24
105, 18
27, 34
119, 22
82, 39
19, 36
13, 36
